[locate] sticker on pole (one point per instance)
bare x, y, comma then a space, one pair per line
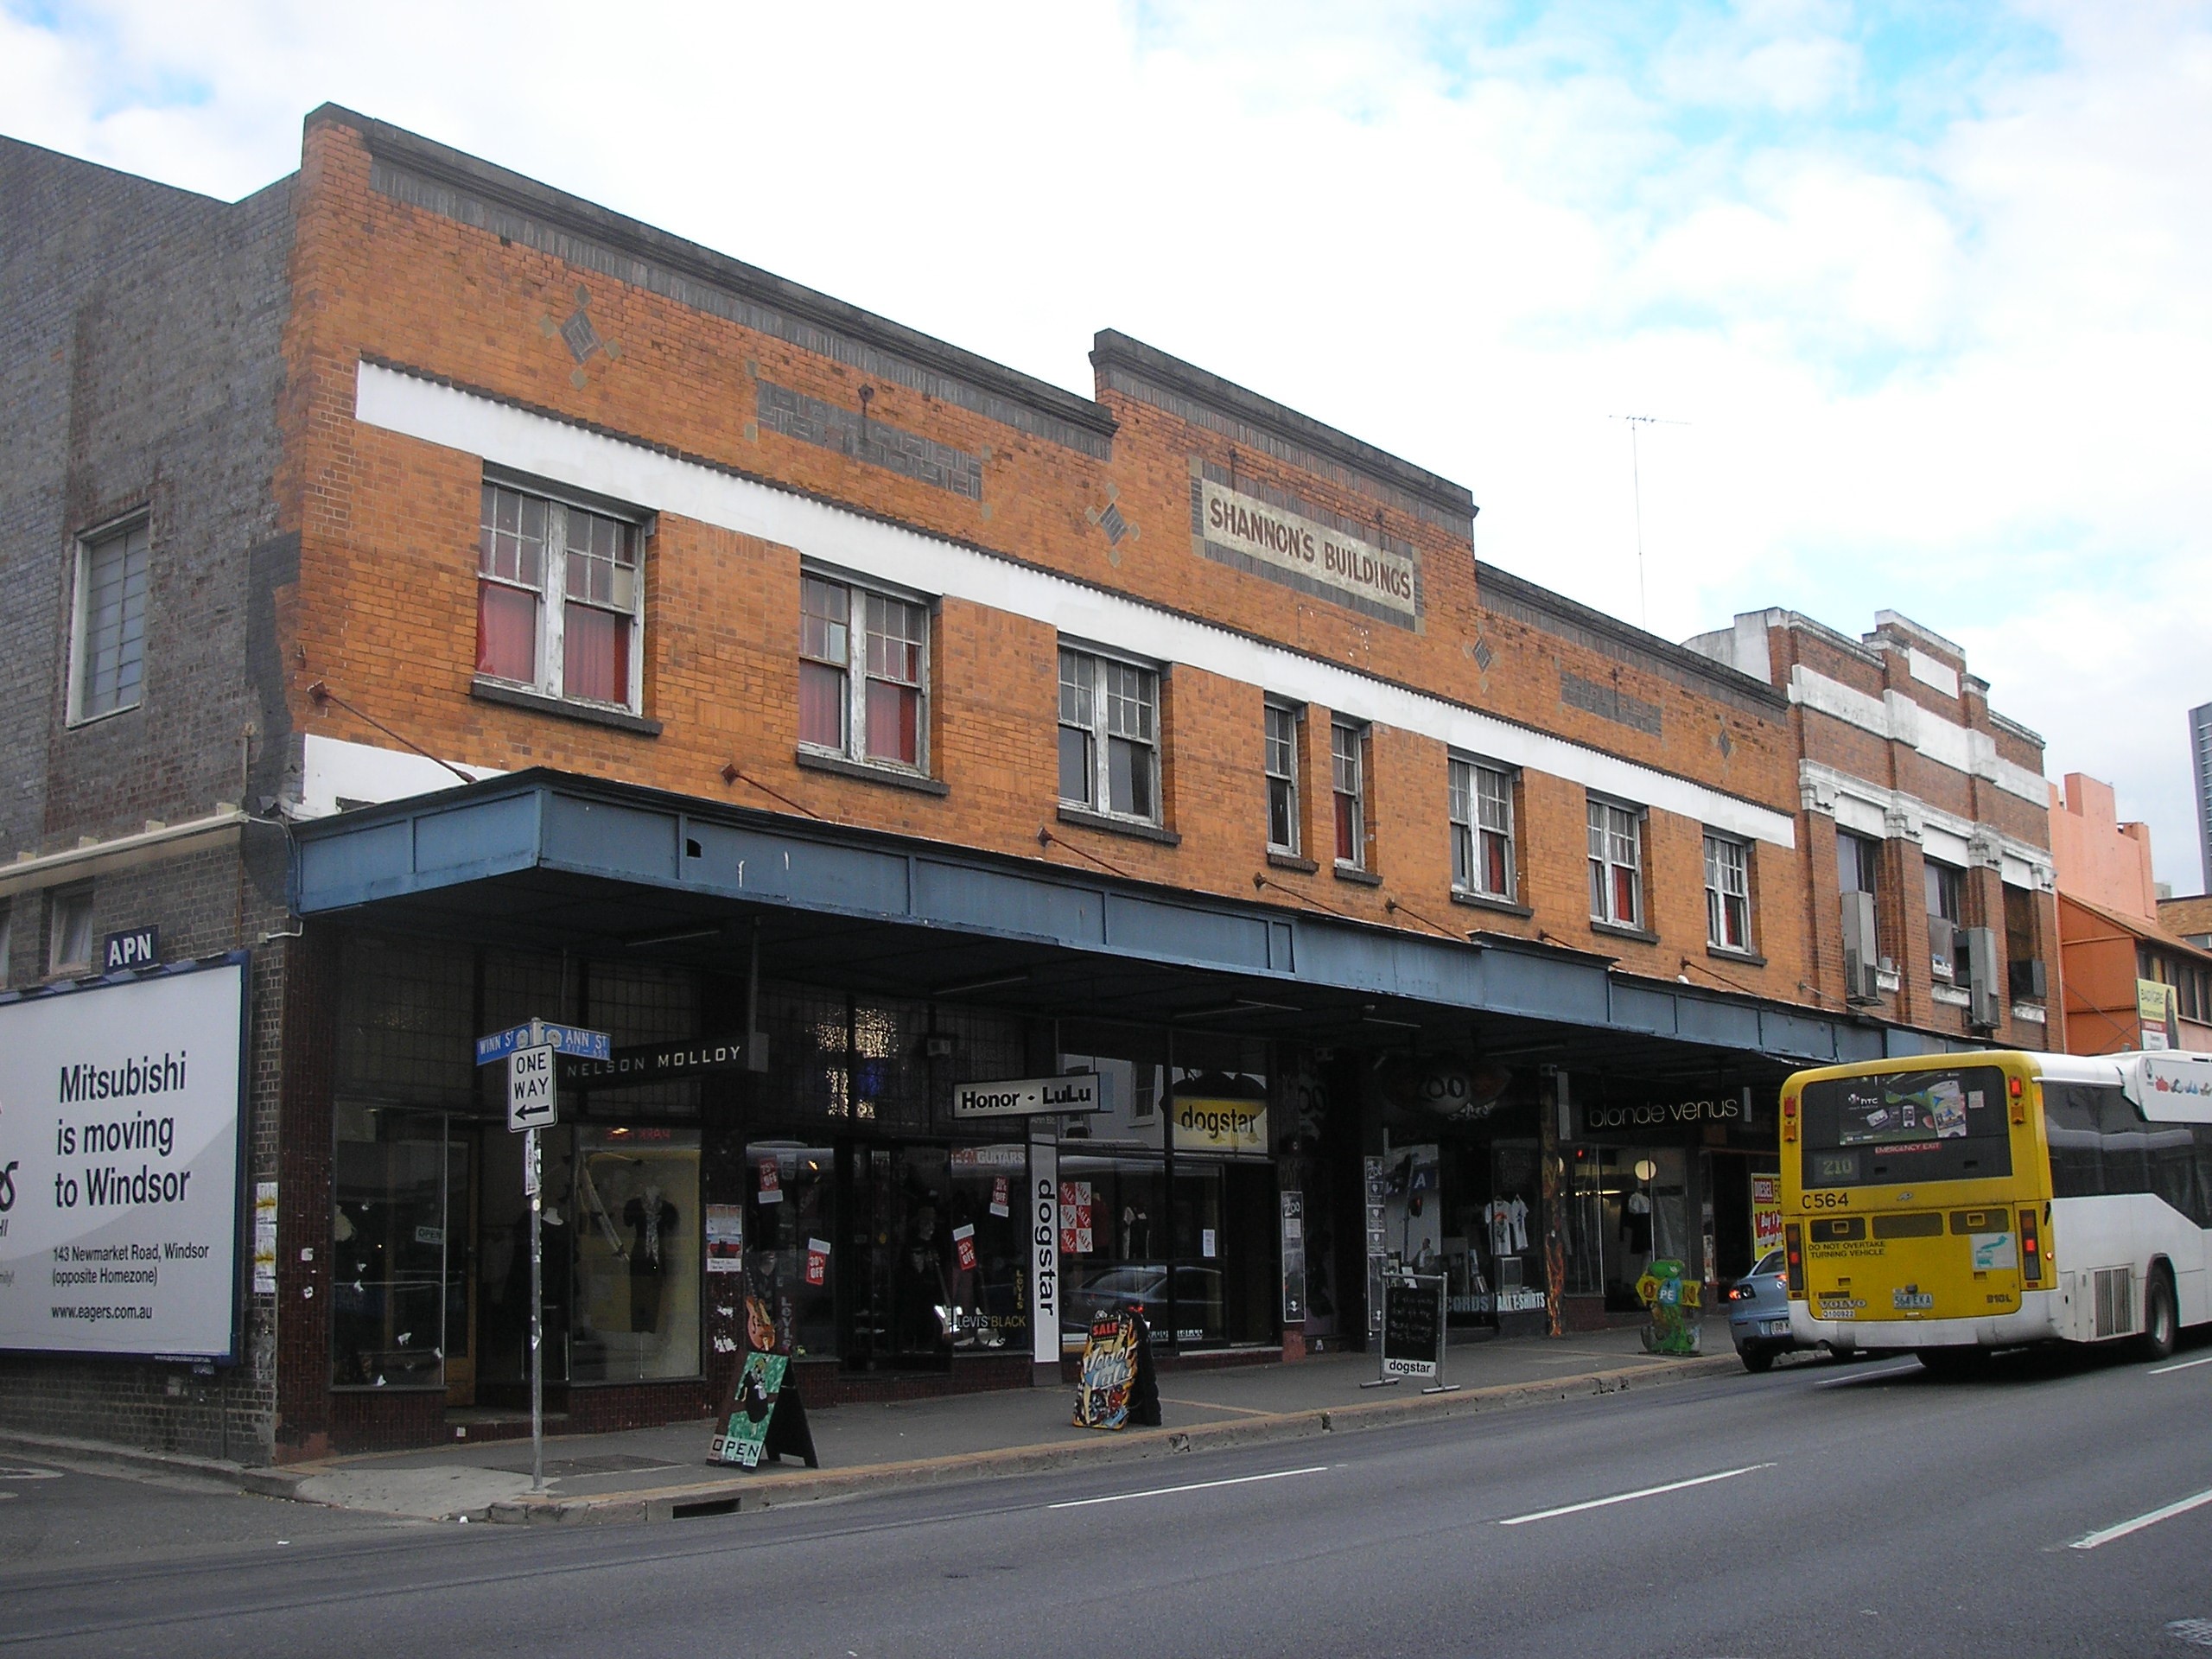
530, 1087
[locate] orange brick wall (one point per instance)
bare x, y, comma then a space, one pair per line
387, 606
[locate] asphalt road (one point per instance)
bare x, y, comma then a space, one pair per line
1824, 1509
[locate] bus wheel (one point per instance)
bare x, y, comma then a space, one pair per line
2160, 1322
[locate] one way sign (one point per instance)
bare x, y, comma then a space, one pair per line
530, 1087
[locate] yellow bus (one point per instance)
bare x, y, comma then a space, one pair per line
1952, 1203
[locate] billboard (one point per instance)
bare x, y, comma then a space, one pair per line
119, 1166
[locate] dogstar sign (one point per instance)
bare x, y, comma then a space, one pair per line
119, 1219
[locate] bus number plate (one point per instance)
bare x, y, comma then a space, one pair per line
1912, 1300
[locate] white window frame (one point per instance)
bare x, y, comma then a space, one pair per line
552, 594
1098, 702
90, 545
1279, 761
1728, 892
1479, 815
1349, 766
1611, 824
857, 667
7, 940
59, 904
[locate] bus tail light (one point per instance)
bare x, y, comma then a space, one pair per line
2030, 1248
1789, 1117
2018, 1091
1793, 1246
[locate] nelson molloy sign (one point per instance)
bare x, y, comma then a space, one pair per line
1026, 1096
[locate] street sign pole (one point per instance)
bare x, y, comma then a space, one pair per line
533, 1104
533, 1176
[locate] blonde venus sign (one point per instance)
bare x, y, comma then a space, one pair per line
1302, 547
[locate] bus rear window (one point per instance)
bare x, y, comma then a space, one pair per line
1892, 1127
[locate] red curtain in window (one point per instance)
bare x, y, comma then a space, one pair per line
894, 723
506, 633
595, 655
1347, 815
821, 705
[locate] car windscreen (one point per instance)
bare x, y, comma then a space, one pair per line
1892, 1127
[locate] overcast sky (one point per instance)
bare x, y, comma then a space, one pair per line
1925, 287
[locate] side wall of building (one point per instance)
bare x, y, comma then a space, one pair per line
141, 380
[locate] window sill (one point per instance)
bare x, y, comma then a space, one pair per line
1483, 901
1089, 820
537, 702
1616, 930
1726, 953
1358, 877
862, 770
1291, 861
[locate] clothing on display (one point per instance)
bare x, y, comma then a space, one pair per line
651, 1218
1636, 1224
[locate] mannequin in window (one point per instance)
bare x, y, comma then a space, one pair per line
652, 1218
1635, 1223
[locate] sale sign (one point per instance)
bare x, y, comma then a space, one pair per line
963, 1247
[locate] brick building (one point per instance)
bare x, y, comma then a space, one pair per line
1928, 883
458, 604
2132, 977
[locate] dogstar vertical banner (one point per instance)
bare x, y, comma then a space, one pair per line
119, 1217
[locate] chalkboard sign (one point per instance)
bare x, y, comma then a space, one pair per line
1413, 1328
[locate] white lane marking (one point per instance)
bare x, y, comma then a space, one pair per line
1868, 1376
2182, 1506
1195, 1486
19, 1473
1626, 1498
2160, 1370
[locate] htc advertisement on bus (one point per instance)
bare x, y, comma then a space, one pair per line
119, 1166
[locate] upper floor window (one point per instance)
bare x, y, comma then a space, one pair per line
1616, 864
868, 703
1857, 863
1283, 778
1482, 830
557, 598
1946, 910
108, 652
1348, 780
1109, 736
69, 931
1727, 893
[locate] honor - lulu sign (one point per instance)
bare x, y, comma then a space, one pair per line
1026, 1096
1317, 556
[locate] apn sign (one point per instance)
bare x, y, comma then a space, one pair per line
136, 947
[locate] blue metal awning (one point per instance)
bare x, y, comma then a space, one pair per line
549, 859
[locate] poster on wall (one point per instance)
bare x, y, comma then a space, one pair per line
1766, 1215
120, 1191
725, 1237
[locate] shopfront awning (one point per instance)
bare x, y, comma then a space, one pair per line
546, 860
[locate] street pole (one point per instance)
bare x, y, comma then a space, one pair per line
533, 1175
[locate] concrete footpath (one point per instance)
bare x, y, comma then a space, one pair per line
657, 1474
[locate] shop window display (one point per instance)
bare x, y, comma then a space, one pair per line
1115, 1251
990, 1255
790, 1216
1227, 1285
394, 1184
637, 1227
1628, 1206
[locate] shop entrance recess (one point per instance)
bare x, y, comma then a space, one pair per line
899, 1202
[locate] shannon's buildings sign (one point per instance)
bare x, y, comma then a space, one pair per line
1321, 557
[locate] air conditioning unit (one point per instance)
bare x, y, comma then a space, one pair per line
1978, 951
1862, 955
2029, 983
1941, 958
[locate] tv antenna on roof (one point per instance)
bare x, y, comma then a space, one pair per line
1636, 484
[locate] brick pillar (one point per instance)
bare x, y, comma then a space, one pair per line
1903, 924
303, 1181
